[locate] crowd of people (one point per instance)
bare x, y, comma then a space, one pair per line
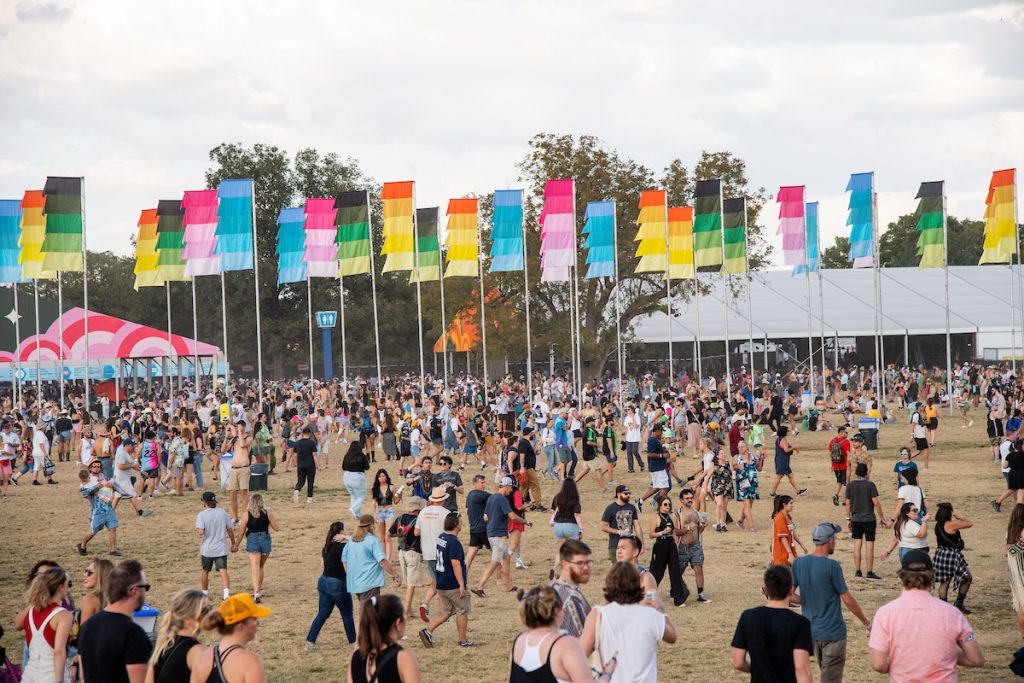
701, 448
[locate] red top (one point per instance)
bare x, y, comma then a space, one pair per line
37, 617
845, 443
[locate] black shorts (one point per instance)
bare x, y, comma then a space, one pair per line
921, 444
479, 540
840, 476
589, 455
865, 530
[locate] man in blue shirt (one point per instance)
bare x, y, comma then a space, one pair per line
561, 443
657, 465
822, 588
451, 583
497, 513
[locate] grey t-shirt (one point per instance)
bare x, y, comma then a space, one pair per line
821, 582
860, 493
215, 524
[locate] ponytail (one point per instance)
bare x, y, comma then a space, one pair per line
187, 603
215, 621
45, 586
377, 616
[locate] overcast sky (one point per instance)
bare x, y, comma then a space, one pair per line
133, 95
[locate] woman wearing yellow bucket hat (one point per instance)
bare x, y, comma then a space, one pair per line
237, 621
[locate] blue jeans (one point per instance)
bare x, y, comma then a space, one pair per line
571, 471
197, 467
332, 594
108, 468
549, 453
355, 484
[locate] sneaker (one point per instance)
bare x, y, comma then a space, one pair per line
427, 638
145, 513
466, 643
873, 576
115, 553
858, 574
295, 499
801, 492
425, 612
521, 565
227, 593
81, 550
50, 481
311, 647
701, 598
996, 505
773, 494
14, 481
36, 483
257, 598
960, 606
835, 500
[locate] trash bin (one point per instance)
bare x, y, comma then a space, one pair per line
146, 618
868, 428
258, 476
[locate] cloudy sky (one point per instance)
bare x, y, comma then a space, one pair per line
133, 95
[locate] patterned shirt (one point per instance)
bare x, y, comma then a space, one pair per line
575, 607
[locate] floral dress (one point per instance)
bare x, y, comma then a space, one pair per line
746, 479
721, 480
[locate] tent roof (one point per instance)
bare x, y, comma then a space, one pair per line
913, 302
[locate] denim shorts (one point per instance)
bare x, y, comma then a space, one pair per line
105, 519
258, 542
384, 515
566, 531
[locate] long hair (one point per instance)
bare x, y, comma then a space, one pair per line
377, 616
257, 508
101, 569
45, 586
568, 497
187, 603
375, 490
943, 514
332, 531
1016, 525
779, 503
901, 518
35, 570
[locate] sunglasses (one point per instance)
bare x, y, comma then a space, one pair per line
89, 572
143, 586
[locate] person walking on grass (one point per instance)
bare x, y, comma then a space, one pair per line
331, 588
103, 501
657, 466
822, 593
451, 584
665, 552
910, 531
365, 563
783, 468
949, 562
214, 528
689, 527
919, 432
497, 514
307, 464
864, 511
839, 454
429, 527
476, 501
256, 523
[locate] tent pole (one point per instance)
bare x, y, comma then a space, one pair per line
39, 387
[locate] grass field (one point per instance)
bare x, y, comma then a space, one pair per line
46, 522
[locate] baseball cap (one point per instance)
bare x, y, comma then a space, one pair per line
128, 442
240, 607
209, 497
824, 532
507, 481
916, 557
621, 488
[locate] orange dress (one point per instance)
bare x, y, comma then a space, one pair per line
782, 527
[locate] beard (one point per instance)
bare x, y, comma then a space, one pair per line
577, 577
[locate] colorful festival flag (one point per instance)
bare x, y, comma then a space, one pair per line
861, 219
170, 240
234, 224
680, 243
652, 234
461, 238
1000, 218
507, 231
600, 240
10, 236
791, 224
734, 234
429, 252
62, 207
147, 273
398, 227
291, 245
321, 248
930, 217
200, 221
707, 223
353, 222
33, 232
811, 240
558, 230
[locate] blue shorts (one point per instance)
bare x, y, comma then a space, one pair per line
431, 568
470, 449
107, 519
415, 450
64, 436
567, 530
258, 542
384, 515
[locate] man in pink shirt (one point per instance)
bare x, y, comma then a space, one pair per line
918, 637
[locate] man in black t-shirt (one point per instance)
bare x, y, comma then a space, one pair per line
476, 501
113, 648
527, 461
772, 643
620, 519
307, 464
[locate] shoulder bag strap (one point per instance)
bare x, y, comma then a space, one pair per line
386, 659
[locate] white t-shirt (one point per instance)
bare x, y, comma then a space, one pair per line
1004, 453
10, 445
215, 524
430, 522
908, 538
122, 477
632, 633
920, 432
86, 452
415, 437
40, 445
632, 425
911, 494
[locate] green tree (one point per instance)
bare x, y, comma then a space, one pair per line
898, 244
837, 255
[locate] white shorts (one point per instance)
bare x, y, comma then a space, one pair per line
499, 548
659, 480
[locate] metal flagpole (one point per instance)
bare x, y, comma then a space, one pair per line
309, 324
195, 339
419, 301
696, 301
529, 338
39, 387
1020, 276
60, 339
572, 339
256, 280
618, 299
373, 288
444, 326
224, 327
726, 294
85, 294
945, 273
807, 281
750, 305
170, 344
344, 350
876, 257
881, 316
483, 313
18, 388
576, 281
668, 300
821, 305
1013, 320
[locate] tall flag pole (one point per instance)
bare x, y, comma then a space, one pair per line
291, 262
399, 231
557, 244
200, 238
236, 246
576, 284
709, 202
170, 248
806, 268
933, 248
600, 242
707, 231
355, 257
33, 232
653, 251
734, 237
813, 265
10, 273
861, 219
462, 237
320, 253
429, 265
681, 264
1002, 234
793, 228
508, 240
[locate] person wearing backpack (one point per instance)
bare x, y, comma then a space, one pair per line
839, 453
410, 554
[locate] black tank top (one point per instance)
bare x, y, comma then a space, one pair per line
541, 674
219, 656
384, 496
664, 522
255, 525
387, 666
172, 667
948, 540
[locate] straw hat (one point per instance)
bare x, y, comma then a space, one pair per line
438, 495
365, 521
